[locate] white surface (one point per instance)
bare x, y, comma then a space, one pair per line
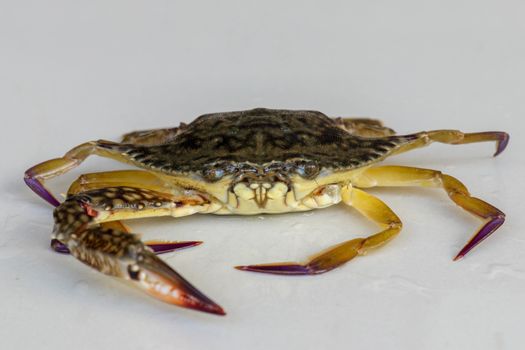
76, 71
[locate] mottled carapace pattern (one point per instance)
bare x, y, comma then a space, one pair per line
262, 136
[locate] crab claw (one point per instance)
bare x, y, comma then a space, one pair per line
162, 282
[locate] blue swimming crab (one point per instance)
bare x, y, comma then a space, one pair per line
246, 162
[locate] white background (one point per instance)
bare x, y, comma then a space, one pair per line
74, 71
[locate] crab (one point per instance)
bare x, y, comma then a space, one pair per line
259, 161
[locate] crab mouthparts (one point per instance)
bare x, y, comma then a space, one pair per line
260, 192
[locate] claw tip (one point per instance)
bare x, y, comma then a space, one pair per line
207, 306
458, 257
502, 143
219, 311
280, 269
39, 189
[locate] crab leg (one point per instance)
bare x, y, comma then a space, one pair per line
455, 137
366, 204
38, 174
492, 217
116, 253
158, 247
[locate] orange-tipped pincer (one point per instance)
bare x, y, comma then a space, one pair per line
162, 282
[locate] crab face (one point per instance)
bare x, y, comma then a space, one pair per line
248, 162
262, 183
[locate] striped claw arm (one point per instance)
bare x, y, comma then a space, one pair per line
120, 254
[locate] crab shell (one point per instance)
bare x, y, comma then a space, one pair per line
261, 160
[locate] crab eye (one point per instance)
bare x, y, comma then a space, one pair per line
308, 170
213, 174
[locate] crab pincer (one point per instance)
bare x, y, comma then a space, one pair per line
162, 282
79, 229
159, 280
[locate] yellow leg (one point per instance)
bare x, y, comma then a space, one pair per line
113, 252
407, 176
37, 175
455, 137
366, 204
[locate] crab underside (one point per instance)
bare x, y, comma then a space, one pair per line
249, 162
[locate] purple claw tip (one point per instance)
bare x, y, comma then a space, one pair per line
502, 143
284, 269
483, 233
39, 189
59, 247
167, 247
